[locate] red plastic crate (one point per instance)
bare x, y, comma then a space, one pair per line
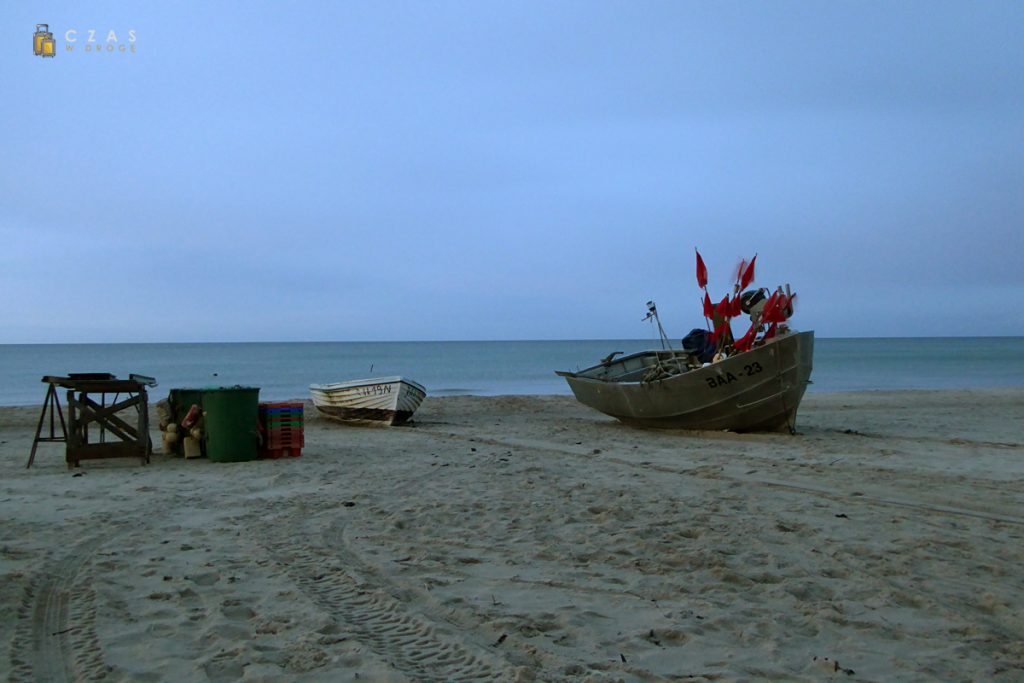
282, 439
281, 411
275, 453
281, 425
293, 405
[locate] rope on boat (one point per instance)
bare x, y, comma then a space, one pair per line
663, 370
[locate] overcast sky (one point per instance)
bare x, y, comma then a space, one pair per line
517, 170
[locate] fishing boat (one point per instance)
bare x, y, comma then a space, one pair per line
380, 400
757, 390
751, 384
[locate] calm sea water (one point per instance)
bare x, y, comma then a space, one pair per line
285, 370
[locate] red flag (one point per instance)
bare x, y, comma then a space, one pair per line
748, 274
746, 341
702, 272
724, 307
737, 306
771, 331
709, 308
769, 307
777, 312
742, 268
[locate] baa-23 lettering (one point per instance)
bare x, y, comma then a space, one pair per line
729, 378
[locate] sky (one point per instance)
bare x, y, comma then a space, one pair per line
270, 171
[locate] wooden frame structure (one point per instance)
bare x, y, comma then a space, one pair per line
85, 411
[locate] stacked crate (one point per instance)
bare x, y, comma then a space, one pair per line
281, 426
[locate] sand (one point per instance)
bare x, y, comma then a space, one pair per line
529, 538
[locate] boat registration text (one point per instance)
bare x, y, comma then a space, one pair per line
728, 377
369, 390
374, 390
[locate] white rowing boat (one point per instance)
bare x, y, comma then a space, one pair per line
380, 400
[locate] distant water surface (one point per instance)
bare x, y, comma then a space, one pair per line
285, 370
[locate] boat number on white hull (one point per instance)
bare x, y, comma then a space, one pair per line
728, 378
375, 390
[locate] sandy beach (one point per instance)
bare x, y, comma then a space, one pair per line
531, 539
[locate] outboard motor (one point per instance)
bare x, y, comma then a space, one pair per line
752, 301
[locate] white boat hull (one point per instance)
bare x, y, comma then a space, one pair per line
380, 400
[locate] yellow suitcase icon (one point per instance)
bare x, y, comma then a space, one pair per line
43, 43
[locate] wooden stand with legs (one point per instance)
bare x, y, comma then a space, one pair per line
85, 411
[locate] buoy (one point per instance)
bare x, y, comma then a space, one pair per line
169, 441
193, 415
192, 448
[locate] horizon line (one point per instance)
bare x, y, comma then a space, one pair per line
454, 341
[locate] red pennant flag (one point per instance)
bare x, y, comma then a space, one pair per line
741, 270
709, 308
771, 331
747, 340
769, 307
724, 307
777, 312
737, 306
702, 272
784, 308
768, 315
748, 274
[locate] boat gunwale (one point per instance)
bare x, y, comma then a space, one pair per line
579, 375
356, 383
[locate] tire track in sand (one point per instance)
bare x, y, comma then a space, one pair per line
410, 642
45, 647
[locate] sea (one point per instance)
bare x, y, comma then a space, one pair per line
284, 370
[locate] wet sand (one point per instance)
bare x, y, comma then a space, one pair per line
529, 538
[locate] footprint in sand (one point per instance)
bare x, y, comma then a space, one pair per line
205, 579
233, 609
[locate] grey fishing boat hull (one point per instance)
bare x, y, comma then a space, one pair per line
756, 391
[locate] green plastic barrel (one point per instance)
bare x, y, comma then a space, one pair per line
231, 418
183, 399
